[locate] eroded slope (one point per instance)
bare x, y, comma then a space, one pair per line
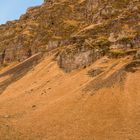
48, 103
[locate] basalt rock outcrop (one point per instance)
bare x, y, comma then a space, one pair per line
81, 31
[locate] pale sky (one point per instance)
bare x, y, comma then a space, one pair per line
12, 9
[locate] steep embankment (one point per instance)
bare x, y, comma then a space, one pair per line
73, 72
49, 104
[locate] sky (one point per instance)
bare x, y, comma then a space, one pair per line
13, 9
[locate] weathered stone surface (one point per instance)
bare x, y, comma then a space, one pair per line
78, 58
59, 24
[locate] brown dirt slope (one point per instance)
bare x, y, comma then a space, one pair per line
73, 72
48, 104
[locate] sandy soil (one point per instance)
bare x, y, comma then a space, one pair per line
48, 104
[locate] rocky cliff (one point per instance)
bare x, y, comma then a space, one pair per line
70, 70
81, 30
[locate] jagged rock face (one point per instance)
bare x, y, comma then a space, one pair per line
105, 24
79, 57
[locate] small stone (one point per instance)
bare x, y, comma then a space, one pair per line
32, 90
7, 125
33, 106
